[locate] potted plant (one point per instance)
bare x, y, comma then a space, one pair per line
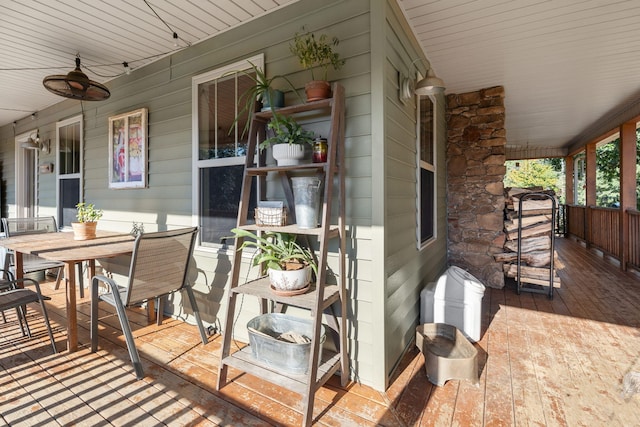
87, 216
317, 52
287, 139
289, 265
261, 90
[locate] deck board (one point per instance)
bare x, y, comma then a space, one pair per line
542, 362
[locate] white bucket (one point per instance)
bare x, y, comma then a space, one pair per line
455, 299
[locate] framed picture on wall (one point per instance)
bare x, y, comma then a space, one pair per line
128, 150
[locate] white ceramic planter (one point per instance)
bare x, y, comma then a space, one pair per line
290, 280
288, 154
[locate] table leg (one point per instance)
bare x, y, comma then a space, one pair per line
72, 316
19, 264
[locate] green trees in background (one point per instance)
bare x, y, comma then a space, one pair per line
608, 173
545, 173
549, 174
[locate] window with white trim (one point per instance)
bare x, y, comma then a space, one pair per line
69, 171
219, 149
426, 170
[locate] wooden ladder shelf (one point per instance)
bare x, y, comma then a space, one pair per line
323, 298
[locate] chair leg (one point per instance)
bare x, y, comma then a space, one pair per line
80, 280
46, 322
93, 332
22, 317
160, 310
196, 313
59, 277
131, 346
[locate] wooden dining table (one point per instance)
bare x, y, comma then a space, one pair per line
62, 247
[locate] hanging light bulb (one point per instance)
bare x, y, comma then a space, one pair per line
175, 39
127, 70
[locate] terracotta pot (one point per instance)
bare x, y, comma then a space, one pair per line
84, 230
317, 89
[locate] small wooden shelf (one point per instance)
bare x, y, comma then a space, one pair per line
243, 359
260, 288
297, 109
292, 229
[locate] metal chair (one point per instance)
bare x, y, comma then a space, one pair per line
13, 296
35, 225
159, 267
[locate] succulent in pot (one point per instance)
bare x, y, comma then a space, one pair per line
317, 53
288, 263
87, 216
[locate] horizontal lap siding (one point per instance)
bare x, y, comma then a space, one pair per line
408, 269
164, 88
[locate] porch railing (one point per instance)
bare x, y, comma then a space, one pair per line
601, 228
634, 238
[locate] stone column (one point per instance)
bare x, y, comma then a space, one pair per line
475, 173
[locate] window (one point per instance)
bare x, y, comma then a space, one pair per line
426, 170
219, 149
69, 143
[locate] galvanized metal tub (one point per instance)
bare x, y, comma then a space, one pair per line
290, 357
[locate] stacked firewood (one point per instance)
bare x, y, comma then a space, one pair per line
537, 227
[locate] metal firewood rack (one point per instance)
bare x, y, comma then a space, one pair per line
546, 287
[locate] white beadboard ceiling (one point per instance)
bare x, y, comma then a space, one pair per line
43, 37
570, 68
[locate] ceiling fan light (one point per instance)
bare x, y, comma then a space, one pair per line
76, 85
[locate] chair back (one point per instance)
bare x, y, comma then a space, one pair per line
159, 264
19, 226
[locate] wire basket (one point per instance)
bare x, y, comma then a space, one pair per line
268, 216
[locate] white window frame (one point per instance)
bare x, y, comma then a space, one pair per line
420, 164
79, 175
245, 64
21, 177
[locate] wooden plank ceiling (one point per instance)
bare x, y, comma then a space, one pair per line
40, 38
569, 67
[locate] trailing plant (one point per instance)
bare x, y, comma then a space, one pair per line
88, 212
286, 130
316, 52
262, 90
278, 251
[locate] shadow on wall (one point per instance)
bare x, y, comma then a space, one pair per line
207, 290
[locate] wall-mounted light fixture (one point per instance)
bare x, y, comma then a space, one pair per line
35, 144
429, 85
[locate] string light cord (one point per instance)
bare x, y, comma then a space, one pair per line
175, 35
93, 67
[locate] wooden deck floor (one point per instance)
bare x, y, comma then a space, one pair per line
542, 362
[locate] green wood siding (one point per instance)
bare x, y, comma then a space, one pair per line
407, 268
385, 269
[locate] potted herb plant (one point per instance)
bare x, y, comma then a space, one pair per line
289, 265
287, 139
87, 216
317, 53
